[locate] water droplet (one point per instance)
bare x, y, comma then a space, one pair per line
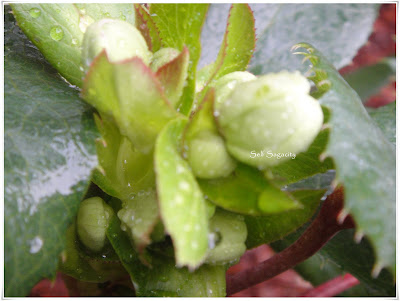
184, 185
35, 12
35, 244
56, 33
74, 41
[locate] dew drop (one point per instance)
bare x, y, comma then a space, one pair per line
74, 41
56, 33
35, 244
35, 12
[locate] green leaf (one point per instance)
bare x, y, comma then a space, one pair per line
246, 191
182, 206
173, 76
338, 30
385, 117
163, 278
147, 27
57, 30
227, 238
304, 164
346, 256
180, 25
239, 41
132, 95
367, 81
49, 154
365, 160
266, 229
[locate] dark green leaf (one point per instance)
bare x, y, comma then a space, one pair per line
182, 206
49, 154
180, 25
385, 117
367, 81
365, 160
346, 256
265, 229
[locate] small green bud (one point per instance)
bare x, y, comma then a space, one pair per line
225, 85
271, 115
162, 57
228, 233
120, 39
208, 157
92, 223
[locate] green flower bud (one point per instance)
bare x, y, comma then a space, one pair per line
92, 223
271, 115
162, 57
228, 233
208, 157
225, 85
120, 39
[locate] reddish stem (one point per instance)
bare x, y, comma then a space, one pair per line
333, 287
321, 230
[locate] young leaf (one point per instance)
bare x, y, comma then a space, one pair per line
182, 206
49, 154
163, 278
238, 44
305, 164
246, 191
266, 229
57, 30
147, 27
173, 76
129, 92
179, 25
365, 160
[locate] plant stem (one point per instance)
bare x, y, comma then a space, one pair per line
323, 228
333, 287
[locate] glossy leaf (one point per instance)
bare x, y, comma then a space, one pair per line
182, 206
179, 25
266, 229
304, 164
385, 117
49, 154
57, 30
147, 27
246, 191
365, 160
338, 30
368, 80
130, 93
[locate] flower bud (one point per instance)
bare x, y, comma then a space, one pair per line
120, 40
271, 115
162, 57
208, 157
225, 85
92, 223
